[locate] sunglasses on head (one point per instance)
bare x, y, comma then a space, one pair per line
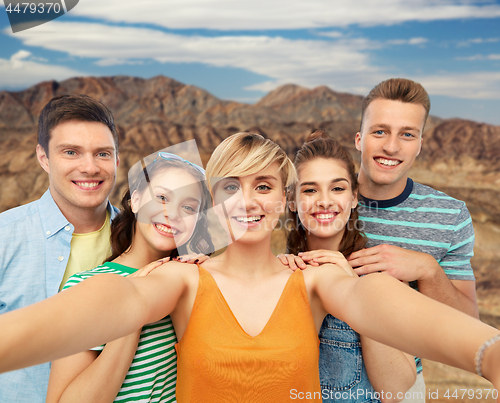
172, 157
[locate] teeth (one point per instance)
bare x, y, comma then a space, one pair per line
325, 216
87, 184
166, 229
387, 162
248, 219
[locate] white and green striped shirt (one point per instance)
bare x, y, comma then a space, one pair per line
153, 373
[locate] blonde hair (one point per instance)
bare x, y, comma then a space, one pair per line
245, 154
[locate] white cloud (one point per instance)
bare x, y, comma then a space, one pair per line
476, 41
480, 57
330, 34
477, 85
411, 41
281, 14
341, 63
22, 70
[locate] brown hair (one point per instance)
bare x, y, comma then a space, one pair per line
398, 89
320, 145
72, 107
123, 225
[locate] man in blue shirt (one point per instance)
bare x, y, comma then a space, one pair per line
67, 229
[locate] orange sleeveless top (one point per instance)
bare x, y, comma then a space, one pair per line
219, 362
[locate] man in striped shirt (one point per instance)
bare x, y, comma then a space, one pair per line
416, 234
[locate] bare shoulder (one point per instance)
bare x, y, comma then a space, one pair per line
177, 271
328, 272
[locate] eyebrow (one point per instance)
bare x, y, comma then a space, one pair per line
387, 127
332, 181
266, 178
77, 147
172, 191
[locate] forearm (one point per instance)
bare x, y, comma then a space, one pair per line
438, 287
101, 381
388, 369
71, 321
383, 309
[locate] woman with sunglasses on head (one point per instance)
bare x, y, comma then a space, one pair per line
247, 325
160, 217
324, 199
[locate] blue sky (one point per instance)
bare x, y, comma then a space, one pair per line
241, 50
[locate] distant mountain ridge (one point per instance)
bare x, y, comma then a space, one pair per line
153, 113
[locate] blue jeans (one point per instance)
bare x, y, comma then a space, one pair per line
342, 372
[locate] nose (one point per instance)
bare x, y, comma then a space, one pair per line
171, 212
246, 200
326, 204
391, 144
89, 165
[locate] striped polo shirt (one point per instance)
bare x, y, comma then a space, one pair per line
153, 373
424, 220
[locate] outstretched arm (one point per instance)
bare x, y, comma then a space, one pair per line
73, 320
95, 376
407, 265
388, 369
387, 311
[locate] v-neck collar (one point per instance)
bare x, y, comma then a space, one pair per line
273, 314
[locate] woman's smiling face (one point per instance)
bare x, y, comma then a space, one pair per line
324, 198
249, 207
167, 212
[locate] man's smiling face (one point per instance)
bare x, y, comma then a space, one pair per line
81, 163
389, 141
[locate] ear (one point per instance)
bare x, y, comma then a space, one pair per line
134, 202
357, 141
354, 202
292, 207
117, 160
421, 142
42, 158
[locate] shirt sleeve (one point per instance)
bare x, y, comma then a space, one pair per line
456, 262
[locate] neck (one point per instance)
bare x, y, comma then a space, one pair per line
377, 191
84, 220
140, 253
245, 260
330, 243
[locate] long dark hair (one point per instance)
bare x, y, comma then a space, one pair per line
320, 145
123, 225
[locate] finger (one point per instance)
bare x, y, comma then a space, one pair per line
300, 263
202, 258
328, 259
365, 260
291, 261
322, 253
363, 253
283, 259
371, 268
153, 265
149, 268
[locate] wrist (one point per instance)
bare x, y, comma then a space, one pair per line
429, 268
489, 365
